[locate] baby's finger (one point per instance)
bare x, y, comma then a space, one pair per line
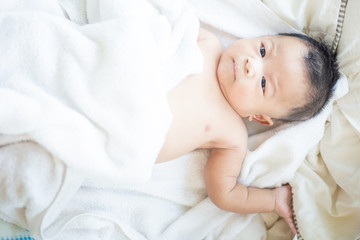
291, 224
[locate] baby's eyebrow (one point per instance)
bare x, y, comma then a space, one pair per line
273, 47
273, 80
274, 84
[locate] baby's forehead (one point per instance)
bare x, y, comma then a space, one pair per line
291, 40
290, 68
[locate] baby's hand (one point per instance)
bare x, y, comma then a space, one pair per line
283, 205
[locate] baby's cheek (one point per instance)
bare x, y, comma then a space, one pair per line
246, 95
241, 101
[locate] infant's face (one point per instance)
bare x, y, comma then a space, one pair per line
264, 75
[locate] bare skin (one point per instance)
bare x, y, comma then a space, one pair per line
206, 114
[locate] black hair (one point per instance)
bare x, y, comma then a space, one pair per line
323, 73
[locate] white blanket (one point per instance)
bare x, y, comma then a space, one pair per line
97, 92
90, 100
90, 97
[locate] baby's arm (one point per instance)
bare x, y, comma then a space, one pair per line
221, 173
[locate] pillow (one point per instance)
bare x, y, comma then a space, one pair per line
318, 19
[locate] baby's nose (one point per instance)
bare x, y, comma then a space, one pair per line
250, 67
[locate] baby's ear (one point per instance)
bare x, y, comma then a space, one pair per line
263, 119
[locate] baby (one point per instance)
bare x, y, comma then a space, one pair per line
284, 77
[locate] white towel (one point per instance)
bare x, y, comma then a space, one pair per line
92, 97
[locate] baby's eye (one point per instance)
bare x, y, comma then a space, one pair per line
262, 51
263, 84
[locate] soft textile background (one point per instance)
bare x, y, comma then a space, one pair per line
326, 186
55, 201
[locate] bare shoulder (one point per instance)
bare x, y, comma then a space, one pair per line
205, 34
228, 129
235, 133
209, 39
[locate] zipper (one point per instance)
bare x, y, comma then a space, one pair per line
298, 234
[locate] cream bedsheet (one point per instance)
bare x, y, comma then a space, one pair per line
326, 186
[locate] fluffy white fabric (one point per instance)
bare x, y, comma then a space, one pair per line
92, 97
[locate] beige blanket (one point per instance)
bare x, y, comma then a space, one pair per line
326, 186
